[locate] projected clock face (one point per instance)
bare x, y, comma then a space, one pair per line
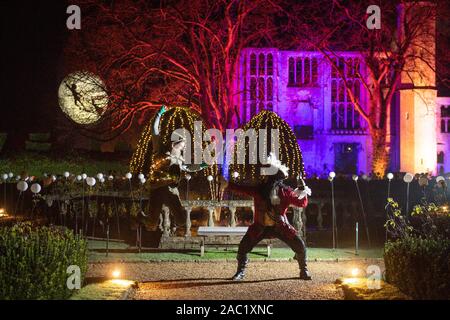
82, 97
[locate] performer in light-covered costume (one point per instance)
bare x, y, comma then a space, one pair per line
272, 199
165, 175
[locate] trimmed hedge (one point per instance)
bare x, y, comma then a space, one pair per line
419, 267
34, 261
39, 137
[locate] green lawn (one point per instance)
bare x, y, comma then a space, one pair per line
222, 253
106, 290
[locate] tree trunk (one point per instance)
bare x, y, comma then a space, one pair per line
380, 153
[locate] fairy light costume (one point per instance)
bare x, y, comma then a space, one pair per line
272, 199
165, 175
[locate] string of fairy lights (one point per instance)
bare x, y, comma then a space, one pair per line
175, 118
289, 152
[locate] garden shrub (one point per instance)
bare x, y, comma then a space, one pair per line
419, 267
37, 146
39, 137
417, 260
34, 261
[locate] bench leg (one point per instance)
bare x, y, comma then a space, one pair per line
202, 248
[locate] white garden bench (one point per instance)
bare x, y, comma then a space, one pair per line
229, 232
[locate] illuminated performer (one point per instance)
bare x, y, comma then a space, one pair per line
272, 199
165, 175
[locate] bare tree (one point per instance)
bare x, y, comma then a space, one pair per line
178, 53
394, 54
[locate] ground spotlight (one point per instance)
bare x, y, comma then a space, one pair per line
116, 273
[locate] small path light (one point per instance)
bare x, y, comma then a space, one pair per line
355, 272
116, 273
407, 178
355, 178
331, 177
389, 176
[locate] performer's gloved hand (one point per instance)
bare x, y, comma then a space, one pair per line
303, 193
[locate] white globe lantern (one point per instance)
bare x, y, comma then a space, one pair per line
5, 176
22, 186
141, 176
90, 181
143, 180
99, 176
35, 188
355, 177
84, 176
10, 175
408, 177
210, 178
332, 174
66, 174
110, 178
79, 178
128, 175
390, 176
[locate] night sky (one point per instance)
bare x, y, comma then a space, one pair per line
32, 38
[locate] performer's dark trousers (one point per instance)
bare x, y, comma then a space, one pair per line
284, 232
163, 196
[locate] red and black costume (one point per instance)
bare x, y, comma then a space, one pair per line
270, 221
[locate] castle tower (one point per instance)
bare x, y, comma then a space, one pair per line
418, 143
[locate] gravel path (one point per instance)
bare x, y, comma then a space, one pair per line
209, 280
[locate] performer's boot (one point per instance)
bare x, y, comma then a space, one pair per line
242, 265
304, 273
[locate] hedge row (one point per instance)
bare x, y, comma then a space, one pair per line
34, 261
419, 267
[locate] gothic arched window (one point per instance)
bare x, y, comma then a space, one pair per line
315, 74
269, 64
253, 88
269, 89
252, 64
298, 72
307, 73
262, 64
291, 70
